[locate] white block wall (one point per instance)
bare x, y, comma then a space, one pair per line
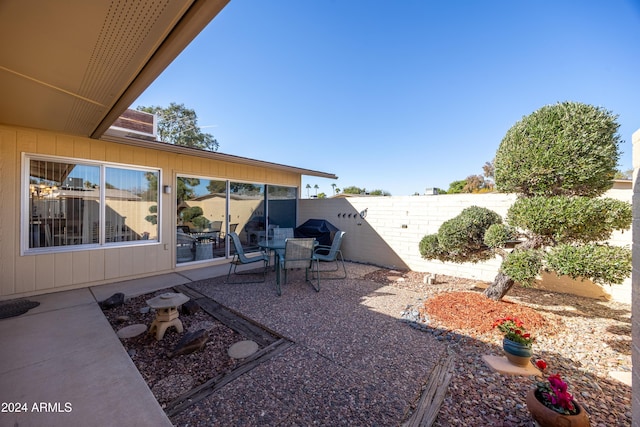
392, 228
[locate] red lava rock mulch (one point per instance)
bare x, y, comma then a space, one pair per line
473, 311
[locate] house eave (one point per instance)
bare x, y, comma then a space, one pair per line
187, 151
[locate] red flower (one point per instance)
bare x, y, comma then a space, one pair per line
541, 364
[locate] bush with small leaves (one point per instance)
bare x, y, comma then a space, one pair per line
568, 148
461, 239
523, 265
562, 219
603, 264
498, 235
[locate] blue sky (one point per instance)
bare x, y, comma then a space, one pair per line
402, 95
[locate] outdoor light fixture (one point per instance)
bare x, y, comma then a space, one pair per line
166, 189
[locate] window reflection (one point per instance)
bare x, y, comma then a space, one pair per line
201, 207
64, 203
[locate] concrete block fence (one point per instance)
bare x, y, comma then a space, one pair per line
386, 231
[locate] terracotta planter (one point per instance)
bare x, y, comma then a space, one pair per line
546, 417
518, 354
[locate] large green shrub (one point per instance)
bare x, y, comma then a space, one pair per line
558, 159
563, 149
523, 266
603, 264
461, 239
562, 219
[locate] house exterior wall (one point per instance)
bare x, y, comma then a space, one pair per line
42, 273
392, 228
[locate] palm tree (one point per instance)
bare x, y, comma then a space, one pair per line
334, 188
316, 187
308, 188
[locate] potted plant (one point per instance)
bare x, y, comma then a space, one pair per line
517, 341
550, 404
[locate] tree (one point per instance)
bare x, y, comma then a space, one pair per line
489, 170
178, 125
316, 187
353, 190
379, 193
308, 187
457, 187
334, 188
628, 174
559, 160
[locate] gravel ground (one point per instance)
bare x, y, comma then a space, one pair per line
583, 340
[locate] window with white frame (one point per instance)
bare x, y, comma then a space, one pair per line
70, 202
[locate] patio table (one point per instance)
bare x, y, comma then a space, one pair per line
277, 246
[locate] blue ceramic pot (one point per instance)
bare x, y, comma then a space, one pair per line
518, 354
516, 348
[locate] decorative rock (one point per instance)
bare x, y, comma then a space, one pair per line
145, 310
242, 349
207, 325
122, 319
190, 342
190, 307
131, 331
114, 300
172, 386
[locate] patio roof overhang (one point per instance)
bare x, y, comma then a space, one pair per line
76, 66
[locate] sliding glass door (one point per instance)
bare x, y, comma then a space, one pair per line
208, 210
201, 213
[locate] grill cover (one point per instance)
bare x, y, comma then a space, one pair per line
322, 230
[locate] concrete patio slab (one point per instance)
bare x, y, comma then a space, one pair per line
64, 366
136, 287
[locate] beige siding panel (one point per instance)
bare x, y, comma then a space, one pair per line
63, 269
162, 259
98, 150
46, 143
81, 149
28, 142
187, 163
126, 262
81, 272
96, 265
64, 146
149, 259
111, 264
151, 158
25, 274
137, 260
45, 277
112, 153
9, 203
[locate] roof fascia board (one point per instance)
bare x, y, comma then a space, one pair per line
187, 151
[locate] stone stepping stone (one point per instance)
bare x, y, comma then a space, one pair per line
132, 331
242, 349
